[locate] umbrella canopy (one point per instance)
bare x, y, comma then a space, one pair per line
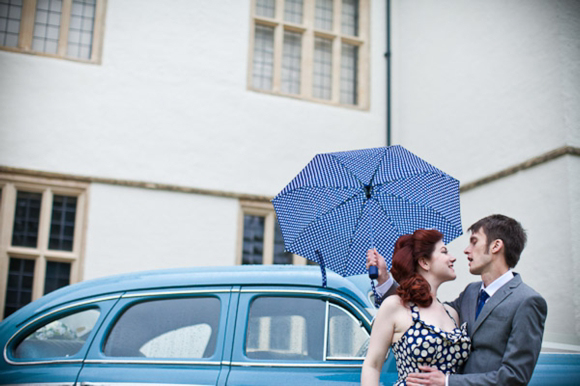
342, 204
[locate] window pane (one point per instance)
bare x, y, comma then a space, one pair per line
323, 14
291, 62
350, 17
263, 68
62, 224
168, 328
280, 256
57, 276
348, 74
293, 10
26, 218
10, 17
322, 82
47, 26
266, 8
60, 338
82, 24
346, 337
253, 244
286, 328
19, 288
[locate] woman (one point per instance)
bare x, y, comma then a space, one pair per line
421, 330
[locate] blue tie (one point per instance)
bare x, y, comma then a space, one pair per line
483, 296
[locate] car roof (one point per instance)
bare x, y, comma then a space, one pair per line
244, 275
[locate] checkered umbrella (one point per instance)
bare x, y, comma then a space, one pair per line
342, 204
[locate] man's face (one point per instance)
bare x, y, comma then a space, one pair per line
478, 253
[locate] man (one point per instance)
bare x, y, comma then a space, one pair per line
506, 332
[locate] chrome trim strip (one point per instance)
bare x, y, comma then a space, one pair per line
308, 365
326, 321
183, 292
42, 384
46, 362
78, 304
325, 293
89, 383
151, 362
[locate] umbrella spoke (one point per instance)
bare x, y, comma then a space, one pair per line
299, 208
330, 234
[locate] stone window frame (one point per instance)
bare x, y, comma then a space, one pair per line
309, 33
26, 34
10, 184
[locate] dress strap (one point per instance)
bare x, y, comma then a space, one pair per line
415, 312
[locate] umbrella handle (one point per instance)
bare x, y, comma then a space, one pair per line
373, 272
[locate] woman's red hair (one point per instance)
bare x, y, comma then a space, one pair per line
408, 250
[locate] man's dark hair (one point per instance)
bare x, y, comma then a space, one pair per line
508, 230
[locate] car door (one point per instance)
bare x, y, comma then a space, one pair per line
299, 337
50, 348
161, 337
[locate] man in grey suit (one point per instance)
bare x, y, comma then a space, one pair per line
505, 317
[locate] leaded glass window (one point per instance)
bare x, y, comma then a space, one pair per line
19, 289
47, 26
263, 57
322, 80
350, 17
26, 219
293, 10
80, 33
62, 225
292, 62
253, 244
57, 276
280, 256
324, 14
266, 8
10, 17
348, 74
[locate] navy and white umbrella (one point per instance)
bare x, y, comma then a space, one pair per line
342, 204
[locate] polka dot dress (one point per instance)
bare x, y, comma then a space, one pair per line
427, 345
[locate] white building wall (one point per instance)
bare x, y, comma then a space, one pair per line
170, 104
132, 229
479, 87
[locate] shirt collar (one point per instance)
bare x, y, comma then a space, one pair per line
498, 283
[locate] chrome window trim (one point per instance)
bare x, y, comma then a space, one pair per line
42, 384
44, 316
326, 329
296, 364
309, 292
153, 361
89, 383
183, 292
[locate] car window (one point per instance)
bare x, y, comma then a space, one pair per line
286, 328
293, 328
62, 337
347, 338
167, 328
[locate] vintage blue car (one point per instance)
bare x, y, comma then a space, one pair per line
250, 325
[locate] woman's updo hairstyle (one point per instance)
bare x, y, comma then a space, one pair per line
408, 250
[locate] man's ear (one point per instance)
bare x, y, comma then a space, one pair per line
496, 245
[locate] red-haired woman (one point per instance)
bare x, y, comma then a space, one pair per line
421, 330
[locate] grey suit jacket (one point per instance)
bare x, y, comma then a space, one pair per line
506, 337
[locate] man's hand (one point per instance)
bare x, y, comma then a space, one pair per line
374, 258
429, 376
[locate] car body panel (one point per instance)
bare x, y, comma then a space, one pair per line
228, 362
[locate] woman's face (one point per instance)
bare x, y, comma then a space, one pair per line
442, 263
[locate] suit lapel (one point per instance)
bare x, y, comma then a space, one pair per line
502, 294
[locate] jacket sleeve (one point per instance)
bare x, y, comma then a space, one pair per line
522, 349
